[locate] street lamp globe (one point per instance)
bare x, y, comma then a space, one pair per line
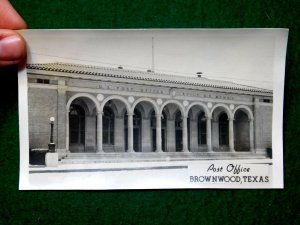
52, 119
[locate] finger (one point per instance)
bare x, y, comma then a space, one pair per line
10, 19
12, 48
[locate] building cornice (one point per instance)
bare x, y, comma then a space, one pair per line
140, 77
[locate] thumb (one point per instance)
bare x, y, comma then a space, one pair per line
12, 45
12, 48
9, 18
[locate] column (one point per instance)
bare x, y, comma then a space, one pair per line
251, 135
231, 135
208, 134
184, 134
158, 133
61, 116
99, 132
130, 132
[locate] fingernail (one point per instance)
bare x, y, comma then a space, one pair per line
11, 48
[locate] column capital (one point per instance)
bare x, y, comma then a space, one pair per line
208, 117
158, 115
231, 119
99, 113
250, 120
130, 114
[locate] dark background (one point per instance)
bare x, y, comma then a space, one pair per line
154, 206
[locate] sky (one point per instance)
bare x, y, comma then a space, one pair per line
245, 56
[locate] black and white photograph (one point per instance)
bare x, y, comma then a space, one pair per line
152, 109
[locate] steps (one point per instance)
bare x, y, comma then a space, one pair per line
82, 158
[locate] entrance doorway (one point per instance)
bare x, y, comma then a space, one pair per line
223, 130
241, 132
77, 128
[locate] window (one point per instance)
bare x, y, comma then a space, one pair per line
43, 81
77, 125
178, 131
178, 121
223, 129
201, 129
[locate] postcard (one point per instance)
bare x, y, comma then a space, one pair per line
152, 109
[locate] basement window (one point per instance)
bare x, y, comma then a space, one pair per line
43, 81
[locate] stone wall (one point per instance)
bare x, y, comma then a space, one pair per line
42, 104
263, 127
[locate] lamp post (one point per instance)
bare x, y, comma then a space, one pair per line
51, 145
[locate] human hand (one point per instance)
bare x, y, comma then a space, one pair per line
12, 44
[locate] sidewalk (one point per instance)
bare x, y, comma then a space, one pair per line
103, 167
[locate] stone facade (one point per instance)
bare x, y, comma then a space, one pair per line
114, 110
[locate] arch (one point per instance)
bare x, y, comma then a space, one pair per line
120, 98
166, 112
124, 112
141, 110
190, 114
86, 95
81, 103
112, 106
68, 105
164, 119
144, 99
228, 111
181, 108
245, 109
204, 107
